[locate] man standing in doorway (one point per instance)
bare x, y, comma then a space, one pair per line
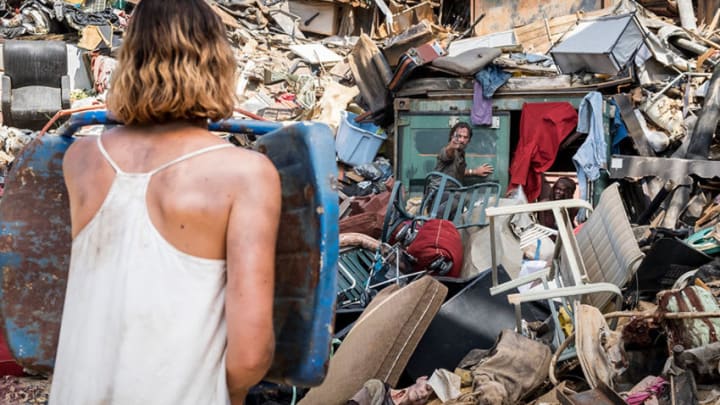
451, 159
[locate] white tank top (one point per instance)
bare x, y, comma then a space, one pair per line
143, 322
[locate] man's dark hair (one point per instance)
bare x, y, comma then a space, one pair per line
459, 125
567, 182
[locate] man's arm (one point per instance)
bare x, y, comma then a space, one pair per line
447, 153
251, 238
483, 170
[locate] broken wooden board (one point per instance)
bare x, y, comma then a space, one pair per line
502, 15
411, 16
371, 73
541, 35
93, 36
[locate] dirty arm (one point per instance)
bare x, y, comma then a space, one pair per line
251, 238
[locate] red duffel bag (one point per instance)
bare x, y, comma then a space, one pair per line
437, 242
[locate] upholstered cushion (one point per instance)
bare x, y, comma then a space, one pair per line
28, 102
31, 63
468, 62
381, 342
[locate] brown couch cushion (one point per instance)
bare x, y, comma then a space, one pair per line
368, 223
381, 342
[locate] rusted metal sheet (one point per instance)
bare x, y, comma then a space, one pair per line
34, 252
35, 245
503, 15
307, 251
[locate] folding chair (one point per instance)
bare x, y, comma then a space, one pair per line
589, 267
354, 266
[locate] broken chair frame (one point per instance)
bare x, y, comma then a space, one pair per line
594, 277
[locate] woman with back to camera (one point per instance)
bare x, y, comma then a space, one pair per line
170, 291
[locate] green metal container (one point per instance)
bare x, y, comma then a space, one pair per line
422, 127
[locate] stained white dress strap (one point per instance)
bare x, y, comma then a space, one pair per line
107, 156
186, 156
190, 155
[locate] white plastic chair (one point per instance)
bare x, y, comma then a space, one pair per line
589, 267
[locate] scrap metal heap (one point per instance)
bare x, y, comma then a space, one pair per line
642, 81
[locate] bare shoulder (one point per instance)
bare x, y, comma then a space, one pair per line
249, 172
77, 153
248, 163
82, 144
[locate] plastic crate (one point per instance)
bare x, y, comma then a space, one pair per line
357, 143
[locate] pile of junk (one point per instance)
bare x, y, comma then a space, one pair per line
493, 290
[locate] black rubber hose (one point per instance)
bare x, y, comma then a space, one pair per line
702, 135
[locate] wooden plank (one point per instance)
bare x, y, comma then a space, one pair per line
558, 21
706, 10
367, 74
413, 15
540, 25
226, 18
534, 36
542, 31
503, 15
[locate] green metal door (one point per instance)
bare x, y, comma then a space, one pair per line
422, 127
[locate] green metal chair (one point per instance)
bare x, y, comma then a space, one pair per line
444, 197
354, 267
395, 215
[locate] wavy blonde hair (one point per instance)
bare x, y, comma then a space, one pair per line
175, 63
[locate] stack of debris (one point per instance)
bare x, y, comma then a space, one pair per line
559, 98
